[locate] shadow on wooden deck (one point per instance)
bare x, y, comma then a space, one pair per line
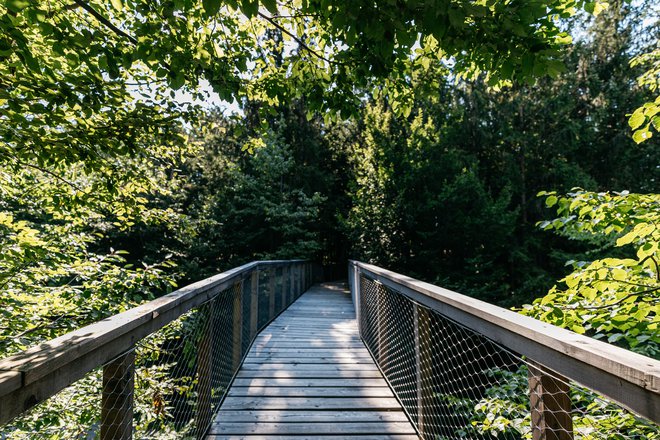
308, 375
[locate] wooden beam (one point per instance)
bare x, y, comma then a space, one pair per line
237, 326
36, 374
117, 398
550, 406
204, 368
254, 304
628, 378
271, 293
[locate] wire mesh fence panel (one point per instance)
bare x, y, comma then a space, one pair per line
169, 384
183, 370
456, 383
73, 413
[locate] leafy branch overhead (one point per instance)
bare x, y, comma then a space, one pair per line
617, 297
71, 72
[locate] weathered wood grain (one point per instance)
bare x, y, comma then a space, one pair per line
308, 375
336, 428
628, 378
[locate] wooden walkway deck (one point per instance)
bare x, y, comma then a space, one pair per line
308, 375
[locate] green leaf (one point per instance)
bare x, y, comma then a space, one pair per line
211, 7
656, 122
551, 201
637, 118
250, 8
116, 4
642, 135
271, 5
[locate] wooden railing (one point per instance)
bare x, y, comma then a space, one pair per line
244, 300
421, 335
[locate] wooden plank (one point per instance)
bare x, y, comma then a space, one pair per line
297, 360
10, 381
304, 374
53, 365
310, 344
628, 378
316, 403
353, 428
310, 392
316, 367
309, 382
315, 437
310, 376
327, 355
318, 351
311, 416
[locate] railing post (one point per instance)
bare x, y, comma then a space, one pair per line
271, 292
356, 295
423, 368
254, 303
204, 376
381, 324
283, 290
117, 398
237, 327
550, 405
300, 279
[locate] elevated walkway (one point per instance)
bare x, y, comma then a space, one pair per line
255, 353
309, 374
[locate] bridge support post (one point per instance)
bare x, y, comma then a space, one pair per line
283, 288
550, 405
381, 324
237, 326
204, 373
355, 292
272, 272
423, 369
117, 398
254, 303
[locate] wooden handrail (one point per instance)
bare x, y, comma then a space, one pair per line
32, 376
627, 378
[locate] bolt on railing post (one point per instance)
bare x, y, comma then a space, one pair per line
550, 405
204, 376
237, 327
254, 303
117, 398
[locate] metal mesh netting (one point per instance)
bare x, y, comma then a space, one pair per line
171, 383
455, 383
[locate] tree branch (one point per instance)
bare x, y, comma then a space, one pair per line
297, 39
50, 173
105, 22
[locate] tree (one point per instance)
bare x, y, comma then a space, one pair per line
613, 298
69, 73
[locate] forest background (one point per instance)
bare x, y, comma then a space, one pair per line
114, 193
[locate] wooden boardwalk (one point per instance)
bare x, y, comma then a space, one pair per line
308, 375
